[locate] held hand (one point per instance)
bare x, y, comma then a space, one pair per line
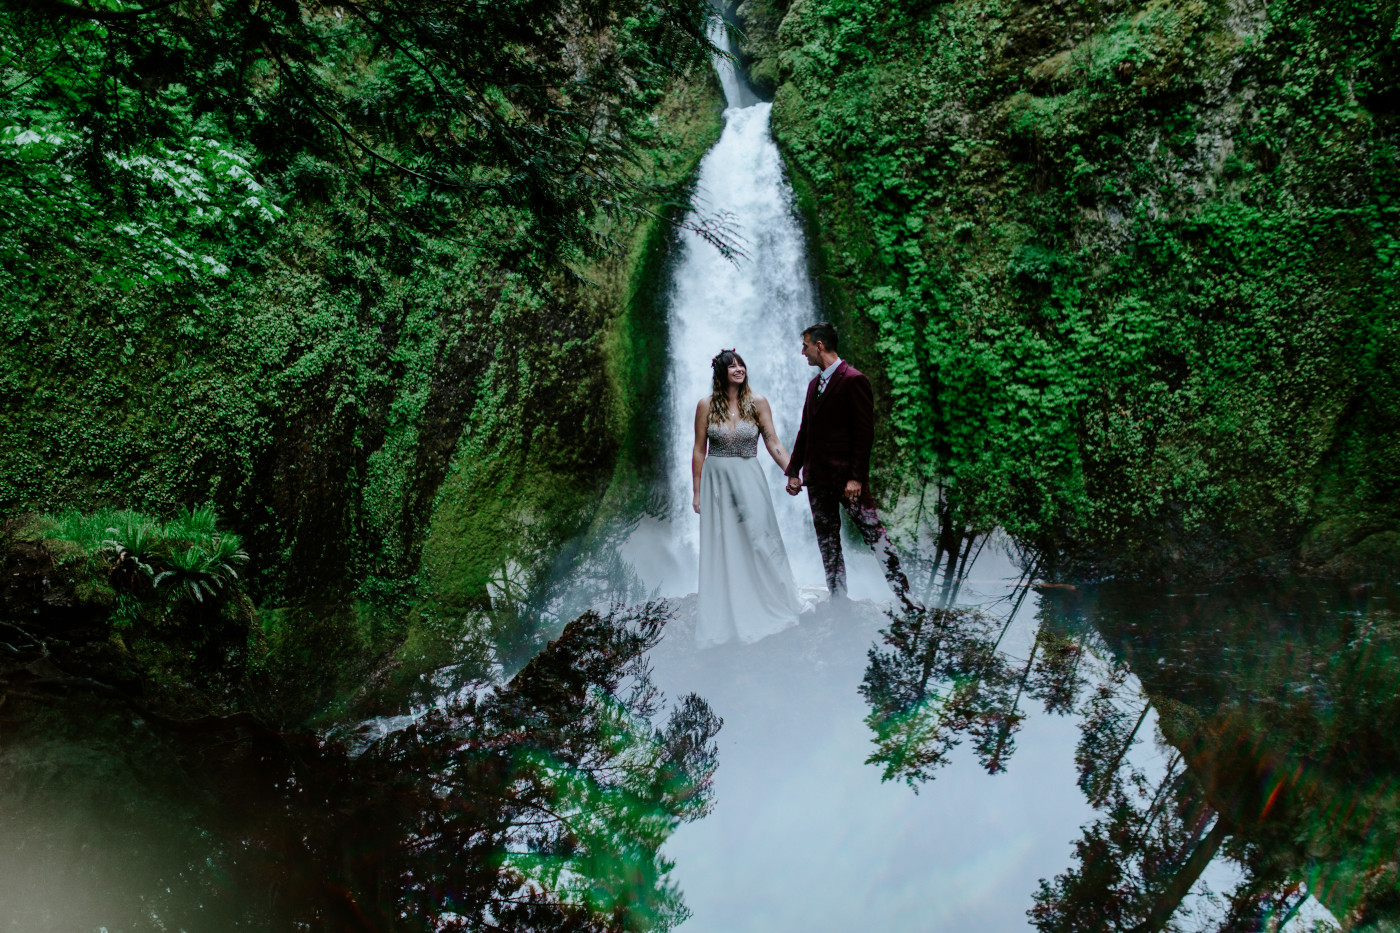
794, 485
852, 489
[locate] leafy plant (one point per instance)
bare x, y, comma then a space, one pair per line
130, 551
89, 530
196, 524
203, 570
187, 554
133, 137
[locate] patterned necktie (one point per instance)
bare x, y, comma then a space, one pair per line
821, 384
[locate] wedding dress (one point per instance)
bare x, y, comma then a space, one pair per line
746, 586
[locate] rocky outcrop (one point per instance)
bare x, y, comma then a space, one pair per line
758, 22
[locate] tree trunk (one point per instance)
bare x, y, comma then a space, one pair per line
1180, 883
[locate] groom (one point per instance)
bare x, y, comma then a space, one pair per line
832, 453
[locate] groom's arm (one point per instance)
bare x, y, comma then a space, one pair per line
862, 428
798, 455
799, 448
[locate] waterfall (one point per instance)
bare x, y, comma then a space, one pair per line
737, 94
758, 305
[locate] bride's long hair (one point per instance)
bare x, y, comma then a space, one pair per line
719, 395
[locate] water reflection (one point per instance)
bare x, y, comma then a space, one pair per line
537, 804
1242, 738
1281, 702
1199, 761
940, 679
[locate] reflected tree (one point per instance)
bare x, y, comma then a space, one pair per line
1272, 715
1051, 674
938, 678
541, 803
1136, 863
940, 544
942, 676
1267, 743
560, 783
1057, 677
1274, 711
1108, 731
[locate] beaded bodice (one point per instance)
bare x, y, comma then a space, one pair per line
742, 441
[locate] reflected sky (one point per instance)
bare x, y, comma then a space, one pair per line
806, 836
1168, 732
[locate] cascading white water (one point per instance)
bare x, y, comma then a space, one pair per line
759, 305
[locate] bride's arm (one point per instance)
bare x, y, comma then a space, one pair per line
697, 455
770, 434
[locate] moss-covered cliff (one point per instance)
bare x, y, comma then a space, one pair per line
1126, 269
389, 427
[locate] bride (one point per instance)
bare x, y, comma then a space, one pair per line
746, 586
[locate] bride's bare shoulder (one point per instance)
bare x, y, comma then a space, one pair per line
760, 402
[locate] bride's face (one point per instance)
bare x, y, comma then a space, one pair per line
737, 373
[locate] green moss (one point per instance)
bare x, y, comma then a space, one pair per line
509, 500
359, 419
1122, 269
636, 337
314, 661
758, 22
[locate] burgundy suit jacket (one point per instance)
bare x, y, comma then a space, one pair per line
838, 429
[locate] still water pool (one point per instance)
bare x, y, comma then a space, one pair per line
1105, 758
1111, 758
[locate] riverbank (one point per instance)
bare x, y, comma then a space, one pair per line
1113, 295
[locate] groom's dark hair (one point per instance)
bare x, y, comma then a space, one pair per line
822, 333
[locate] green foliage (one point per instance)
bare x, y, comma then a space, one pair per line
91, 530
104, 529
199, 523
1126, 267
187, 555
319, 393
133, 137
203, 571
318, 397
131, 549
421, 226
143, 197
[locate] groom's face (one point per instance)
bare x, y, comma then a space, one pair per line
812, 351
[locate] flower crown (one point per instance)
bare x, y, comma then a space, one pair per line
714, 359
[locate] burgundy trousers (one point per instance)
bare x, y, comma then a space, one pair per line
826, 503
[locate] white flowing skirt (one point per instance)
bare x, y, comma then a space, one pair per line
746, 586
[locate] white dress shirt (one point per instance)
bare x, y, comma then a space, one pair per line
826, 376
